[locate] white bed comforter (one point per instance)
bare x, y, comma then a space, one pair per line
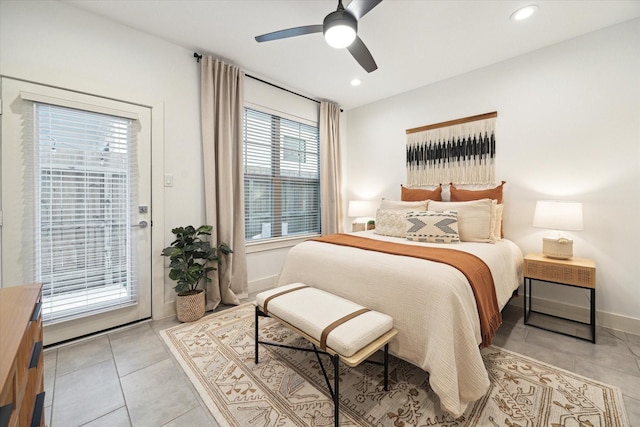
432, 304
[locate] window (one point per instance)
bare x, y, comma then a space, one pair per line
83, 203
281, 177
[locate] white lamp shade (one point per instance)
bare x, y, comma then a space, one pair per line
361, 208
558, 215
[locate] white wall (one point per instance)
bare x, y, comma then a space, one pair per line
568, 127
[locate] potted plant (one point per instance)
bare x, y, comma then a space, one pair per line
192, 258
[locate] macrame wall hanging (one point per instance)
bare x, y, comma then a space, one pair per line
461, 151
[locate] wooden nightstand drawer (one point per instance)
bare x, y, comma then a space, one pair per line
576, 271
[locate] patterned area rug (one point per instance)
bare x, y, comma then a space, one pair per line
287, 387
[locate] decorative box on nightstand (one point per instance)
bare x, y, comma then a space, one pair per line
576, 272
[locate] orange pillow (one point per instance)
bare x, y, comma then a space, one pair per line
468, 195
419, 194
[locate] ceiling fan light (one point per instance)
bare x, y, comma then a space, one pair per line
340, 36
340, 29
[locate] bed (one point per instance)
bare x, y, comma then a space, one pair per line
432, 304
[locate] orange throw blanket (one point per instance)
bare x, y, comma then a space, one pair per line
474, 269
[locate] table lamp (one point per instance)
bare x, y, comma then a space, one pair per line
558, 216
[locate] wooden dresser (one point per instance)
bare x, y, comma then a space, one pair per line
21, 357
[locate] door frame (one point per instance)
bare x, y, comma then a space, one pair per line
160, 300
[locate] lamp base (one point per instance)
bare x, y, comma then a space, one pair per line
358, 226
557, 248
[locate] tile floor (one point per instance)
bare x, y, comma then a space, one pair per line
129, 378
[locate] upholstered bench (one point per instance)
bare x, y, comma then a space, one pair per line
340, 328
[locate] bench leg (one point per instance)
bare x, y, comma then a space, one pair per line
335, 359
324, 371
256, 336
386, 367
336, 392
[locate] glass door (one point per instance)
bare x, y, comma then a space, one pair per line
75, 196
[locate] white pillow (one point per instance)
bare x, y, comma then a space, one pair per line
497, 228
476, 218
433, 227
391, 222
396, 204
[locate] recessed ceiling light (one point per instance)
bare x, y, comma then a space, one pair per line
524, 12
356, 82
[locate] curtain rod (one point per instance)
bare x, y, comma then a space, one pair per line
199, 56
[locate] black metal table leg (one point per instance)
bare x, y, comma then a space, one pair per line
527, 299
336, 393
593, 315
528, 310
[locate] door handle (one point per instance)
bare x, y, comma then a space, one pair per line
141, 224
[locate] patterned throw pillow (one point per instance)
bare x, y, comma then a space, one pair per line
391, 222
433, 227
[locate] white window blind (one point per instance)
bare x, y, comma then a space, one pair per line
281, 177
85, 182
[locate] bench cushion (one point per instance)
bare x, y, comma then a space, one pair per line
311, 310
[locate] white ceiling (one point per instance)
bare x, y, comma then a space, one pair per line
414, 42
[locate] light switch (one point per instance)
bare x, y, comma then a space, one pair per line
168, 180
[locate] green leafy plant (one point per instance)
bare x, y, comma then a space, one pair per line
192, 257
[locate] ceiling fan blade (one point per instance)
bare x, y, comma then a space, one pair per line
359, 8
362, 55
290, 32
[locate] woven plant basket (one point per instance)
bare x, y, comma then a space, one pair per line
190, 308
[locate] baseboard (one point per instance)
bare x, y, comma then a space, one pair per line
262, 284
603, 318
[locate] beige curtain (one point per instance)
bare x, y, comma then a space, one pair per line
221, 108
330, 166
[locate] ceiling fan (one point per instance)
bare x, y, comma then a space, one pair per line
340, 30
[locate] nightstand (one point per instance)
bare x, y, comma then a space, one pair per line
575, 272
